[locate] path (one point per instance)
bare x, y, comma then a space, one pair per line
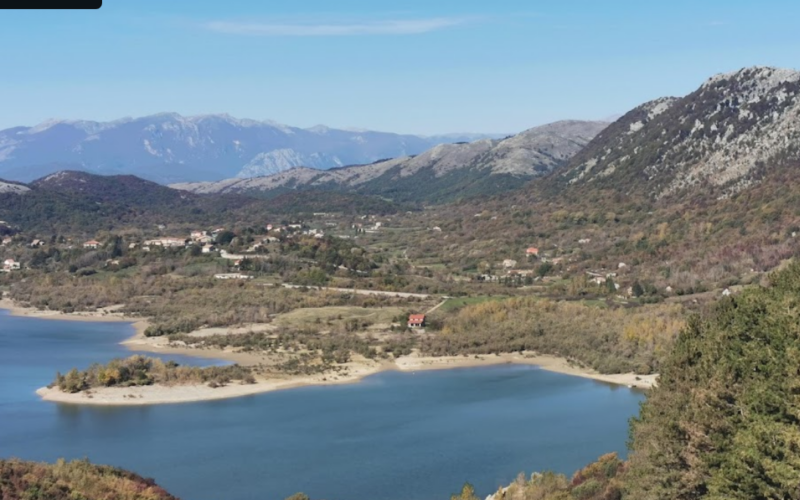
362, 292
437, 306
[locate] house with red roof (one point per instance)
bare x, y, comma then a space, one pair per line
416, 320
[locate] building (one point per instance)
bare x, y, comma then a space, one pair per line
416, 320
37, 243
232, 276
166, 242
92, 244
10, 265
532, 251
509, 263
197, 235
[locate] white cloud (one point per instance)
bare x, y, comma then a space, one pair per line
392, 27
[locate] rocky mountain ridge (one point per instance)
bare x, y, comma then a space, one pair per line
515, 159
721, 136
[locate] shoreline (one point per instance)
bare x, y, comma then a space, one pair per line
105, 315
356, 369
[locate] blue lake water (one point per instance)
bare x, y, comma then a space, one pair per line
393, 436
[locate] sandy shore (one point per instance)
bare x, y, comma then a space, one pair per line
353, 371
550, 363
159, 394
108, 314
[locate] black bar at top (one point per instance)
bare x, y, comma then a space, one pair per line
51, 4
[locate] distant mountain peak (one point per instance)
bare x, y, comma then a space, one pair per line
169, 147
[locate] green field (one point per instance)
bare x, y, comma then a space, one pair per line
458, 303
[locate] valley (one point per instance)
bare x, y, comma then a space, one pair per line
618, 252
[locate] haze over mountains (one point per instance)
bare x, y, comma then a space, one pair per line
445, 172
169, 147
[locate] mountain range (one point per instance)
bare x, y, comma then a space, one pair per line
443, 173
168, 147
720, 139
734, 131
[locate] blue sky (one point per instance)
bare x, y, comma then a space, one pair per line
417, 66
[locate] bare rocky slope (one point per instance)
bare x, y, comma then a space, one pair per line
443, 173
168, 147
12, 187
721, 138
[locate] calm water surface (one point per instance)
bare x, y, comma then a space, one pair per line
394, 436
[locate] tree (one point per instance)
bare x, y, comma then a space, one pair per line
225, 237
115, 247
724, 420
467, 493
610, 286
544, 269
637, 289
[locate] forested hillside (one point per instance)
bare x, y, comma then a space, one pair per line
71, 202
723, 421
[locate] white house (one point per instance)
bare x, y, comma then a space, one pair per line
509, 263
91, 244
166, 242
10, 265
232, 276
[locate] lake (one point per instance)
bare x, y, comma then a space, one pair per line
393, 436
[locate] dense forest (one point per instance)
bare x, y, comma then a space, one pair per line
617, 340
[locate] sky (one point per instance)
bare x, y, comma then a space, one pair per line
417, 66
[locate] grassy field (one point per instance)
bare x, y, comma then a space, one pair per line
458, 303
337, 316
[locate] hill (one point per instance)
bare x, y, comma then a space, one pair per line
71, 202
12, 187
444, 173
674, 232
719, 139
74, 480
168, 147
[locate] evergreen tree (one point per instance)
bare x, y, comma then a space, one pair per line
724, 421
